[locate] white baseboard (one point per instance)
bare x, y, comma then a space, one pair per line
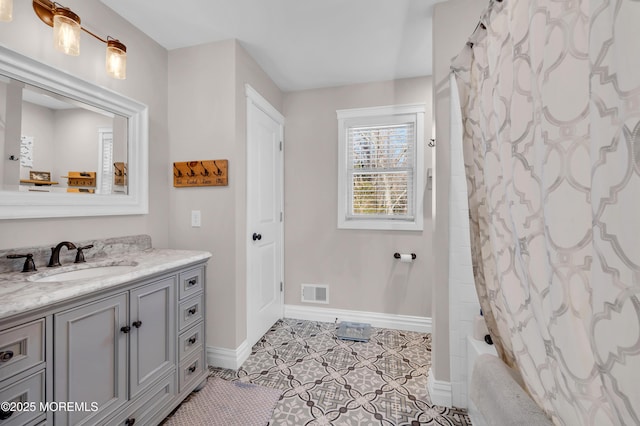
228, 358
440, 391
397, 322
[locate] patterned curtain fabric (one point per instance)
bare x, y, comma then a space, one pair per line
550, 99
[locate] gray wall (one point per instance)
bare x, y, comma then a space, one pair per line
207, 119
201, 117
358, 265
453, 23
39, 122
76, 141
146, 82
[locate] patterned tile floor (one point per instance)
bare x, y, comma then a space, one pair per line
328, 381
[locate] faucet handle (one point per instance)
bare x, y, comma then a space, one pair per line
80, 254
29, 265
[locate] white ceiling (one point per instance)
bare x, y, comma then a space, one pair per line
301, 44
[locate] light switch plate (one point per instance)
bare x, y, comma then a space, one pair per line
195, 218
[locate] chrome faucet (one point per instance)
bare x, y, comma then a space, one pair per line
55, 252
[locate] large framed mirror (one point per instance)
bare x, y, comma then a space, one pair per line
69, 147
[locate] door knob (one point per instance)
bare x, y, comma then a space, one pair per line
257, 237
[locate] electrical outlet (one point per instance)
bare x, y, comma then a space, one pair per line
195, 218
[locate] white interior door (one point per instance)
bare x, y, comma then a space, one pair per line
264, 216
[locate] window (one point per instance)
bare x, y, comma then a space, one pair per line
381, 170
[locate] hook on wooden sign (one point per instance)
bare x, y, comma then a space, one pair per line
200, 173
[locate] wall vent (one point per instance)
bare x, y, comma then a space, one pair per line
315, 293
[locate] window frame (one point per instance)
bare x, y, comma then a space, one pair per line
372, 116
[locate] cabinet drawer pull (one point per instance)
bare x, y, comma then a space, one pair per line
130, 422
192, 282
137, 324
193, 310
192, 340
4, 415
125, 329
192, 369
6, 356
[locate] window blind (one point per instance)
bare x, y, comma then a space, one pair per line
380, 163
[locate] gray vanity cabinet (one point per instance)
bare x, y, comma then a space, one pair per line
129, 354
90, 359
152, 338
113, 350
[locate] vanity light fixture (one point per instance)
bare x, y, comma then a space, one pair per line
6, 10
66, 31
66, 35
116, 59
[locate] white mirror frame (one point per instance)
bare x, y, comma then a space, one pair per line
23, 205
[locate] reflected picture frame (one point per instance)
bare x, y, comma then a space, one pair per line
40, 176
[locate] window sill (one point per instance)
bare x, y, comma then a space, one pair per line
380, 225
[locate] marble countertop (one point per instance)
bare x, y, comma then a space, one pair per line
19, 294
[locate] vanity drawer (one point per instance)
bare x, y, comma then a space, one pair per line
191, 371
21, 348
191, 282
190, 311
190, 341
29, 393
148, 405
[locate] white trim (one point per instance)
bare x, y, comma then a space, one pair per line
228, 358
23, 205
439, 391
381, 110
259, 101
393, 321
349, 117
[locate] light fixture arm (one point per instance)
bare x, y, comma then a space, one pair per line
94, 35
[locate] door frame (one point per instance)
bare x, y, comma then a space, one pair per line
254, 99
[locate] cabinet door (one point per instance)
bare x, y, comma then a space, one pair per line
90, 360
153, 338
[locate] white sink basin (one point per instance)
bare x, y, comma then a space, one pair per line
81, 274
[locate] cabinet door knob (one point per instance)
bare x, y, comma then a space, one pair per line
130, 422
125, 329
192, 311
192, 340
256, 236
192, 369
137, 324
192, 282
6, 356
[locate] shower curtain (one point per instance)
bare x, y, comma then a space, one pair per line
550, 99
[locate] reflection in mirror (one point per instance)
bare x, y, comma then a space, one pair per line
64, 140
69, 147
